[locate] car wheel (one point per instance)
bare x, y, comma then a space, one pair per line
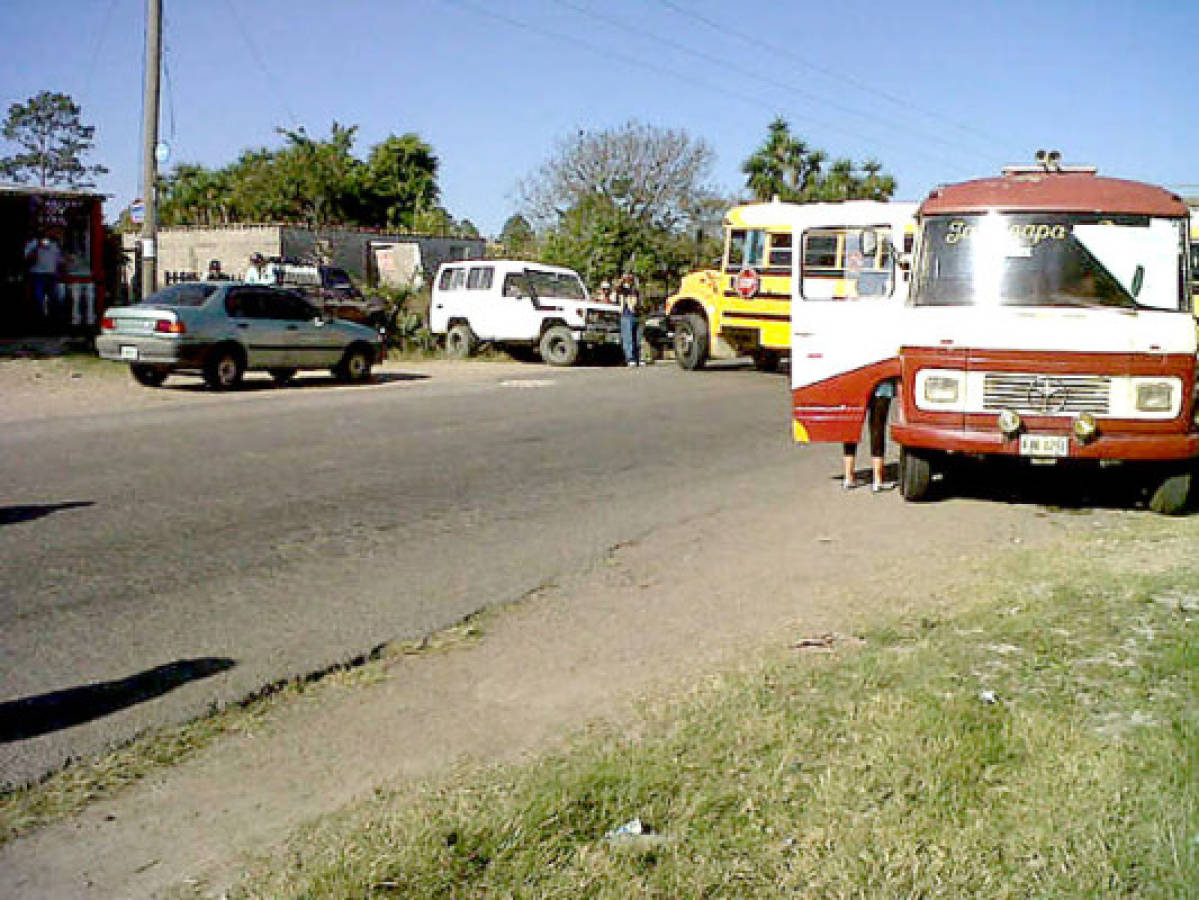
282, 376
1170, 496
150, 376
915, 475
355, 366
460, 341
559, 347
691, 342
224, 369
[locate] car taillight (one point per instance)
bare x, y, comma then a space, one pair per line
166, 326
108, 324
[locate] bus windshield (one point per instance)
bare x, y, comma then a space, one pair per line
1046, 259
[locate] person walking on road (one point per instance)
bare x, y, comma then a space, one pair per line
630, 326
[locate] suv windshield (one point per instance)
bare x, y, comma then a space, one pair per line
188, 293
1047, 259
555, 285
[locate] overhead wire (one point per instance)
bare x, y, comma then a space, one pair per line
260, 61
759, 43
758, 75
615, 54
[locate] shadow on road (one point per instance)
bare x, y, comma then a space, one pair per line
300, 382
11, 515
33, 716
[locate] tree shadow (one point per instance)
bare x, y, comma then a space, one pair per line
11, 515
46, 713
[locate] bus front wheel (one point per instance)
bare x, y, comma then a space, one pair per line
915, 475
1171, 494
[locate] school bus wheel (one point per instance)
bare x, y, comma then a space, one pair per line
691, 341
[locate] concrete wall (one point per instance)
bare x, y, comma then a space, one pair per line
190, 249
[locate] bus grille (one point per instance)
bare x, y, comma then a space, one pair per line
1047, 394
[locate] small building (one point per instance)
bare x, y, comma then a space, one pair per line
370, 257
73, 221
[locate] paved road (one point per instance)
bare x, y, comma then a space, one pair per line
158, 560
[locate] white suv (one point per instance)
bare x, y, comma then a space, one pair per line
518, 304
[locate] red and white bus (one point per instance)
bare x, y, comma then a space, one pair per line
1048, 320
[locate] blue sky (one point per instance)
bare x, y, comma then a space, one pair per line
937, 91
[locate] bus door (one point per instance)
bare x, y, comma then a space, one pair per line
849, 295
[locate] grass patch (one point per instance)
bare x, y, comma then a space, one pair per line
1041, 741
71, 789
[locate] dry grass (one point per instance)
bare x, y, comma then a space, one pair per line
1041, 742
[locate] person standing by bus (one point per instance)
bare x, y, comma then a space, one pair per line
876, 413
630, 326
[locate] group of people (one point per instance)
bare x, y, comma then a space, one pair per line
629, 299
259, 271
59, 286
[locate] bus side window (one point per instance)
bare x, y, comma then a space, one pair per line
736, 250
780, 250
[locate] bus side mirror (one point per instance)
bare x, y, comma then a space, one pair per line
1138, 281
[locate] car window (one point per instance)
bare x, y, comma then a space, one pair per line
480, 278
188, 293
515, 286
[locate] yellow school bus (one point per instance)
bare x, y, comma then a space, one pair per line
744, 307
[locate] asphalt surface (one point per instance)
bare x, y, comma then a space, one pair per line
156, 561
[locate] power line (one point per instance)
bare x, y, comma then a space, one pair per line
609, 53
758, 43
261, 63
706, 57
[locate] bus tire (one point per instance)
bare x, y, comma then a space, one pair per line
915, 475
691, 341
1171, 494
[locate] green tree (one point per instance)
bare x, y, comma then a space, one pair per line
518, 237
53, 142
785, 167
622, 199
315, 181
401, 179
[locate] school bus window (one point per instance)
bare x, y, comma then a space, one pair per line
780, 251
821, 250
736, 249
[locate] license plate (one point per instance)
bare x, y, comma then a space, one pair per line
1044, 445
128, 351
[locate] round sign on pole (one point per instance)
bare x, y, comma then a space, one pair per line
747, 283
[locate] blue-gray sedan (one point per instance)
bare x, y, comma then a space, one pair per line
221, 330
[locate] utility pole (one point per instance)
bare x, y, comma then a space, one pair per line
150, 147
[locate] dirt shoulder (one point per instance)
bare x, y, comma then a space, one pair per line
646, 618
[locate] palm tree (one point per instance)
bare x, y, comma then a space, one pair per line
780, 167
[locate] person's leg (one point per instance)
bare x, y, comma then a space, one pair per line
879, 407
637, 340
848, 478
628, 326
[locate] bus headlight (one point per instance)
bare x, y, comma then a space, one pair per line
942, 389
1155, 396
1085, 428
1009, 422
